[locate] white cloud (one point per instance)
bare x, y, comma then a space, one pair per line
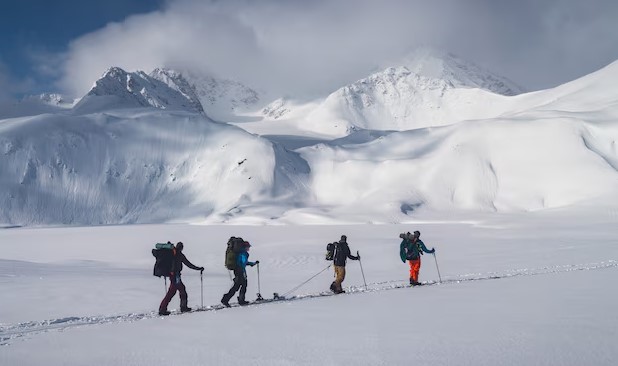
316, 46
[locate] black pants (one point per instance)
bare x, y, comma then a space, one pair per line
240, 282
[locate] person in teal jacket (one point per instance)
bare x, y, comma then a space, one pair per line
240, 277
411, 249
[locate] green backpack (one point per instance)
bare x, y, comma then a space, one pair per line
234, 246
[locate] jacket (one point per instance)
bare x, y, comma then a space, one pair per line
342, 253
242, 260
409, 250
179, 259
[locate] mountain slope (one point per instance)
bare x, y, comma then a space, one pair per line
133, 166
427, 88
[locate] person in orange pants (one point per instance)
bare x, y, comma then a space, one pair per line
415, 267
411, 249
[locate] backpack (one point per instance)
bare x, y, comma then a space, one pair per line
164, 259
234, 246
330, 251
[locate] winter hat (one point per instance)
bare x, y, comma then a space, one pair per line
246, 244
417, 233
344, 238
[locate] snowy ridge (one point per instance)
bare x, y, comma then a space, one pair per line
456, 72
117, 88
399, 99
427, 88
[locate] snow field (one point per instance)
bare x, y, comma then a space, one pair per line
551, 301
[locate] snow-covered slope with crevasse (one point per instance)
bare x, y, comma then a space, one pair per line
139, 159
117, 88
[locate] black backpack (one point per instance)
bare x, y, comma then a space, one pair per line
330, 251
164, 259
234, 246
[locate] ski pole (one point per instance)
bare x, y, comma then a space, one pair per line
259, 294
438, 268
165, 285
202, 281
362, 272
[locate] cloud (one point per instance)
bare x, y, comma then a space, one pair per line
293, 47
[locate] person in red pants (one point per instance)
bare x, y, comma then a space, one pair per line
176, 281
411, 249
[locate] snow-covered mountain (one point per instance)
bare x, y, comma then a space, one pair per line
139, 148
163, 89
223, 99
457, 72
427, 88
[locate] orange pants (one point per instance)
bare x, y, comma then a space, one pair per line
415, 267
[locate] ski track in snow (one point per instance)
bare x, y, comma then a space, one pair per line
13, 332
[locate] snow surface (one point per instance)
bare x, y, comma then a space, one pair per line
533, 289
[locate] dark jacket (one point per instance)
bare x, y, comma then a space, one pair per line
412, 250
342, 253
179, 259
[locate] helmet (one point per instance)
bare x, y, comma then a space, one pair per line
344, 238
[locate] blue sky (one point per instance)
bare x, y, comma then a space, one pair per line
31, 29
296, 47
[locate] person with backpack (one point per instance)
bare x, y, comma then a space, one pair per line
240, 274
340, 257
176, 284
411, 249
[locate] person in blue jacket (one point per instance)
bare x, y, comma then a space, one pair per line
240, 276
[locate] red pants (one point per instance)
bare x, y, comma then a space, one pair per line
415, 267
175, 285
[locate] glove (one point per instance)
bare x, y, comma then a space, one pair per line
433, 250
358, 257
201, 269
257, 262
